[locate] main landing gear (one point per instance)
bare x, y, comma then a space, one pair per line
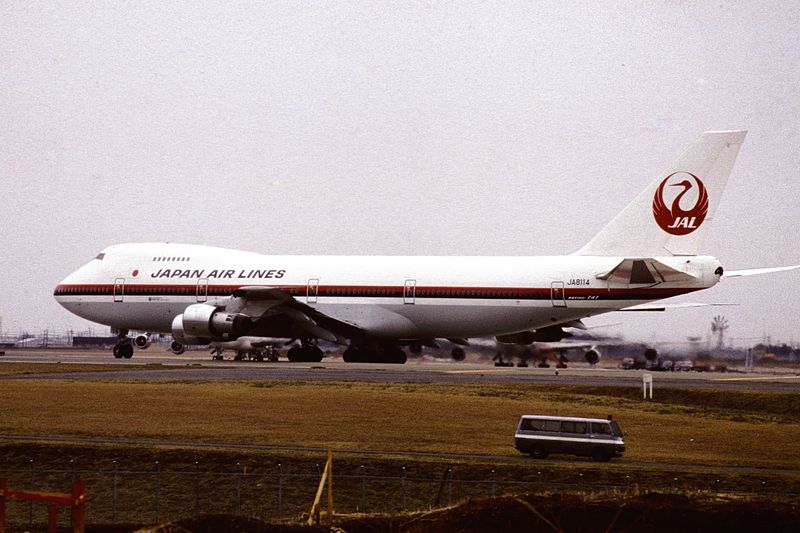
124, 347
307, 352
366, 354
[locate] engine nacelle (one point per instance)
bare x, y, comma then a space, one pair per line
181, 338
592, 355
177, 348
203, 321
142, 341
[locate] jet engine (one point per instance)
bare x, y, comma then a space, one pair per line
142, 342
592, 355
203, 323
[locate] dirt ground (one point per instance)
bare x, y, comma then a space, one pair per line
645, 513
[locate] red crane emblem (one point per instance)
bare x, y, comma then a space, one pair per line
675, 219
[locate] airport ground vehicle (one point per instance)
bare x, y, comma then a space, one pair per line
597, 438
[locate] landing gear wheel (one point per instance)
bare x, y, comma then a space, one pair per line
118, 351
394, 355
351, 355
126, 351
315, 354
457, 354
295, 354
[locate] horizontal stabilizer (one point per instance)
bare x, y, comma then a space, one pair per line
644, 271
757, 271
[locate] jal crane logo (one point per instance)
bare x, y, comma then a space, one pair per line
675, 219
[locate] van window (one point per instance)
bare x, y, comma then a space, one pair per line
529, 424
552, 425
600, 428
615, 430
537, 424
573, 427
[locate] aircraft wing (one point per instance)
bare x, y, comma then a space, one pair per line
664, 307
757, 271
272, 308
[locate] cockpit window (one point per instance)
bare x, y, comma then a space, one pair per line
100, 256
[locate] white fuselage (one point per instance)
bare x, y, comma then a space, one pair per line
145, 286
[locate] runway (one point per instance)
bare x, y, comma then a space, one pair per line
197, 365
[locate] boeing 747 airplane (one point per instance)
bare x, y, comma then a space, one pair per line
379, 305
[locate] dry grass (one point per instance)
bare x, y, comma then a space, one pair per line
724, 430
55, 368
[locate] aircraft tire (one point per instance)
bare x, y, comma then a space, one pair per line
392, 355
457, 354
117, 351
126, 350
353, 355
315, 354
295, 354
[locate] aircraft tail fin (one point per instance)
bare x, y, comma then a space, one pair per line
671, 216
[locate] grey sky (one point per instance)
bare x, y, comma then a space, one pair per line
395, 128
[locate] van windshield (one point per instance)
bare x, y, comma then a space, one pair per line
615, 429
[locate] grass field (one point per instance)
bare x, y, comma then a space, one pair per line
688, 427
9, 369
683, 442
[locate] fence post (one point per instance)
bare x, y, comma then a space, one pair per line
158, 490
280, 489
196, 488
78, 509
30, 504
238, 488
493, 484
404, 488
449, 486
3, 486
363, 490
72, 471
114, 495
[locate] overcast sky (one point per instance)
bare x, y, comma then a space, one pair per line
392, 128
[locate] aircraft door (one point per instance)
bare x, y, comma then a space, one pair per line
202, 289
410, 291
119, 289
312, 291
557, 294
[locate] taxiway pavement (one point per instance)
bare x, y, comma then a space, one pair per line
197, 365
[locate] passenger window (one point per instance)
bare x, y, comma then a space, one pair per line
573, 427
601, 429
552, 425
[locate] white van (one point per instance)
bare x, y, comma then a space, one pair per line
540, 436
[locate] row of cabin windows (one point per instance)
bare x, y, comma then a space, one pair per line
171, 259
558, 426
331, 292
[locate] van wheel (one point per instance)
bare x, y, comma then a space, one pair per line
538, 453
601, 455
